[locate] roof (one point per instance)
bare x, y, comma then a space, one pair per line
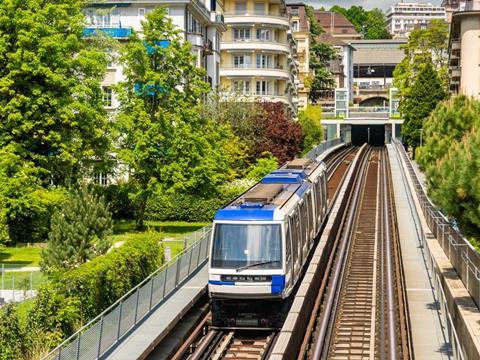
329, 39
378, 51
335, 23
299, 10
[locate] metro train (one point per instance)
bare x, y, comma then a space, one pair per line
260, 245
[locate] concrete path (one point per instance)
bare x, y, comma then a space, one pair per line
429, 340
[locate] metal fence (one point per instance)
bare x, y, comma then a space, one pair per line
322, 147
99, 335
18, 283
463, 256
451, 336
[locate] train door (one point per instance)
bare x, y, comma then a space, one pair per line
288, 257
304, 229
311, 222
295, 234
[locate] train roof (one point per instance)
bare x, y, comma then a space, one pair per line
269, 199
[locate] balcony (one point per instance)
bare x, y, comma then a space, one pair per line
208, 47
113, 31
456, 46
217, 18
248, 44
253, 71
257, 18
455, 72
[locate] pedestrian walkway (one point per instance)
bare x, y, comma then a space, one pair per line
428, 334
145, 336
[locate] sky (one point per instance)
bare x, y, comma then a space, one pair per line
367, 4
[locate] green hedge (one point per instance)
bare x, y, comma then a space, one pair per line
190, 207
118, 200
75, 297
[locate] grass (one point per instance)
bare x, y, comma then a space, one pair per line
20, 256
22, 310
169, 229
22, 279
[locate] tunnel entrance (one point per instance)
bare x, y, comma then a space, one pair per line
360, 135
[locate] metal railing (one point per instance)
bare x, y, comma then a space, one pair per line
447, 323
463, 256
322, 147
98, 336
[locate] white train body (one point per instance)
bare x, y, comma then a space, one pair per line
261, 242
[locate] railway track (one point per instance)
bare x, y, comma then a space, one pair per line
358, 312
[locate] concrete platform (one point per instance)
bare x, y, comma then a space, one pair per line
145, 336
428, 333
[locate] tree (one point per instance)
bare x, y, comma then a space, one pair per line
321, 54
315, 27
50, 95
160, 134
424, 46
426, 93
79, 231
12, 345
283, 137
371, 24
262, 167
311, 121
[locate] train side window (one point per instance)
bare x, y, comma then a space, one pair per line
288, 245
310, 216
293, 238
298, 234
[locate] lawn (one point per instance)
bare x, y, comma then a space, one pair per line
22, 279
20, 256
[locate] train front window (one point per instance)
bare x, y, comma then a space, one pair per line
236, 246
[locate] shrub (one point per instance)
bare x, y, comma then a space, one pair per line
79, 231
310, 120
118, 200
191, 207
262, 167
11, 335
74, 297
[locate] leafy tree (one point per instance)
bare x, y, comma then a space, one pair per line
161, 136
283, 137
311, 121
425, 46
426, 93
262, 167
321, 54
315, 27
79, 231
50, 95
371, 24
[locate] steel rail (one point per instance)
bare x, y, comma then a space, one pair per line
325, 317
392, 336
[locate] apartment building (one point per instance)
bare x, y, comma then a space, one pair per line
464, 50
201, 22
258, 52
300, 28
337, 25
402, 18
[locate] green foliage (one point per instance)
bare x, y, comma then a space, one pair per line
160, 134
79, 231
370, 23
311, 121
425, 46
450, 159
50, 95
315, 27
118, 199
11, 334
426, 93
262, 167
192, 207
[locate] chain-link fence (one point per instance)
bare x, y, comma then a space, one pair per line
322, 147
98, 336
463, 256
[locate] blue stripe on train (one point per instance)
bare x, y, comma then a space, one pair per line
219, 282
278, 284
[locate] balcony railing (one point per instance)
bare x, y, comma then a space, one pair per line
113, 31
255, 13
254, 67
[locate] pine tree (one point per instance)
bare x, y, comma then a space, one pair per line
79, 231
426, 93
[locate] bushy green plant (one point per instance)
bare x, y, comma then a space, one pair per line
118, 200
311, 121
79, 231
262, 167
12, 337
192, 207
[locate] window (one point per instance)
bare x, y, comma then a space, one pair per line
241, 61
242, 87
241, 8
100, 179
264, 34
107, 96
259, 8
239, 245
241, 34
141, 11
262, 88
193, 25
265, 61
295, 25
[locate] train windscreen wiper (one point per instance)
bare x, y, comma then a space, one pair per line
256, 264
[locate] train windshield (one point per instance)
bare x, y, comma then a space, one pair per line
238, 246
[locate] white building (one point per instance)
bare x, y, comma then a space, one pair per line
201, 22
402, 18
259, 54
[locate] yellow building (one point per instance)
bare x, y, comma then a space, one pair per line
300, 28
258, 52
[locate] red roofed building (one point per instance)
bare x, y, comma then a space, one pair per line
337, 25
